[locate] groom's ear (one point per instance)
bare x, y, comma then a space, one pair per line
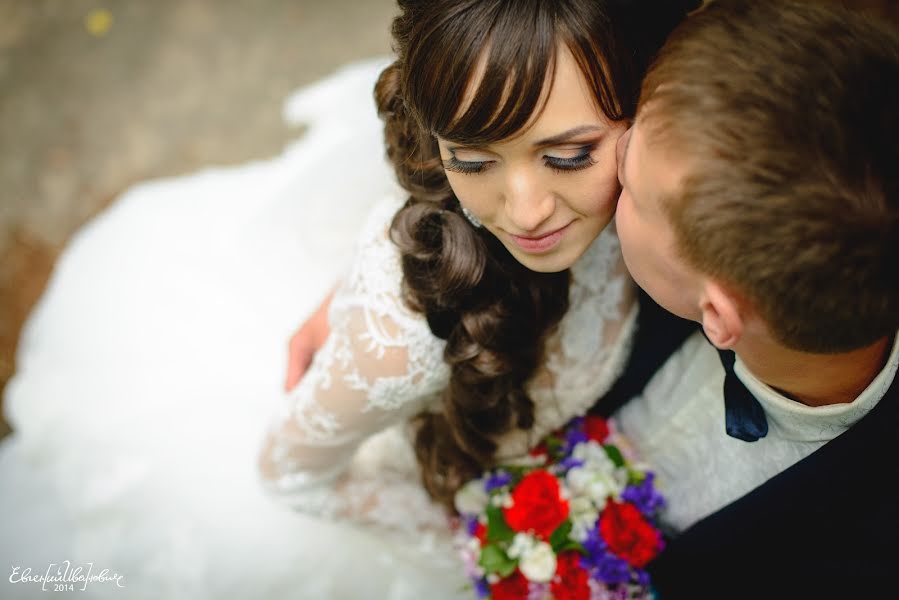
722, 317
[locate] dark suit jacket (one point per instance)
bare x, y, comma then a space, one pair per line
827, 527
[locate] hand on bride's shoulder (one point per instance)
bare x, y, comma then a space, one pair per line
305, 342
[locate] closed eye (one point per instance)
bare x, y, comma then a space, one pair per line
582, 160
467, 167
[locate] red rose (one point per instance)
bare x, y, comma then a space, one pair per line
480, 532
537, 505
628, 534
570, 581
596, 428
513, 587
539, 451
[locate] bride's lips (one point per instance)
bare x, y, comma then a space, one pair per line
543, 243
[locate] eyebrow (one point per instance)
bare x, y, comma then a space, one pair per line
550, 141
567, 135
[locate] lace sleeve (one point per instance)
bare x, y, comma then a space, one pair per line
379, 366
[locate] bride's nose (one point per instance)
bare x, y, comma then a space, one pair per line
528, 203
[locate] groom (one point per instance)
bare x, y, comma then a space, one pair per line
761, 200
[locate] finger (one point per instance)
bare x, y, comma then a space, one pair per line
298, 362
291, 379
294, 367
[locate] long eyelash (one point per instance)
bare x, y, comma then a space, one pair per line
576, 163
465, 167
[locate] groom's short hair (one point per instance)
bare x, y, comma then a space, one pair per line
786, 116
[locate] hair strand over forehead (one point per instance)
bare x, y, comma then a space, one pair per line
479, 73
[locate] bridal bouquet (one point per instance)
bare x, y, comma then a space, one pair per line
573, 521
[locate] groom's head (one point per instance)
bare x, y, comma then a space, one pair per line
761, 179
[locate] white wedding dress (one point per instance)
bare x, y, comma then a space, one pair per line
151, 369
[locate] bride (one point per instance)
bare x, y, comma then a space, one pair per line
487, 309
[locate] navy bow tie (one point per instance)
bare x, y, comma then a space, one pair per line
744, 417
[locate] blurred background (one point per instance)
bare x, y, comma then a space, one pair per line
98, 95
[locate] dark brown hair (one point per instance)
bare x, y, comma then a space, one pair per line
493, 312
789, 112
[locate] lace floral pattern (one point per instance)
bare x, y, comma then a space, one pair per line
595, 302
340, 447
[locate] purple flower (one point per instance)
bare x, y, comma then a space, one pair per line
481, 587
573, 437
610, 569
602, 565
642, 577
537, 591
600, 591
594, 545
570, 463
471, 525
497, 480
644, 496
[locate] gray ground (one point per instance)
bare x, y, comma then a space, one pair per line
173, 85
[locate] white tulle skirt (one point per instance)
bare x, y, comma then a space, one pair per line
148, 370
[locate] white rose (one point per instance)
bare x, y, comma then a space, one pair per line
502, 500
580, 530
538, 563
621, 479
583, 518
471, 499
598, 490
577, 480
594, 457
521, 543
581, 506
526, 460
597, 485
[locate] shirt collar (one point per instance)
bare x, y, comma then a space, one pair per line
800, 422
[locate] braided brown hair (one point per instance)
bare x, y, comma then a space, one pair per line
494, 313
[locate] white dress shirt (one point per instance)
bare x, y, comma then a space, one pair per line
677, 425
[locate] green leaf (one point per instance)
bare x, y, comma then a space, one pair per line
560, 535
517, 472
614, 454
497, 528
554, 447
570, 545
635, 476
494, 560
552, 442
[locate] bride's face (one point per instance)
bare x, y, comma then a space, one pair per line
550, 190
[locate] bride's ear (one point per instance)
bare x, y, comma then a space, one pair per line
722, 317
